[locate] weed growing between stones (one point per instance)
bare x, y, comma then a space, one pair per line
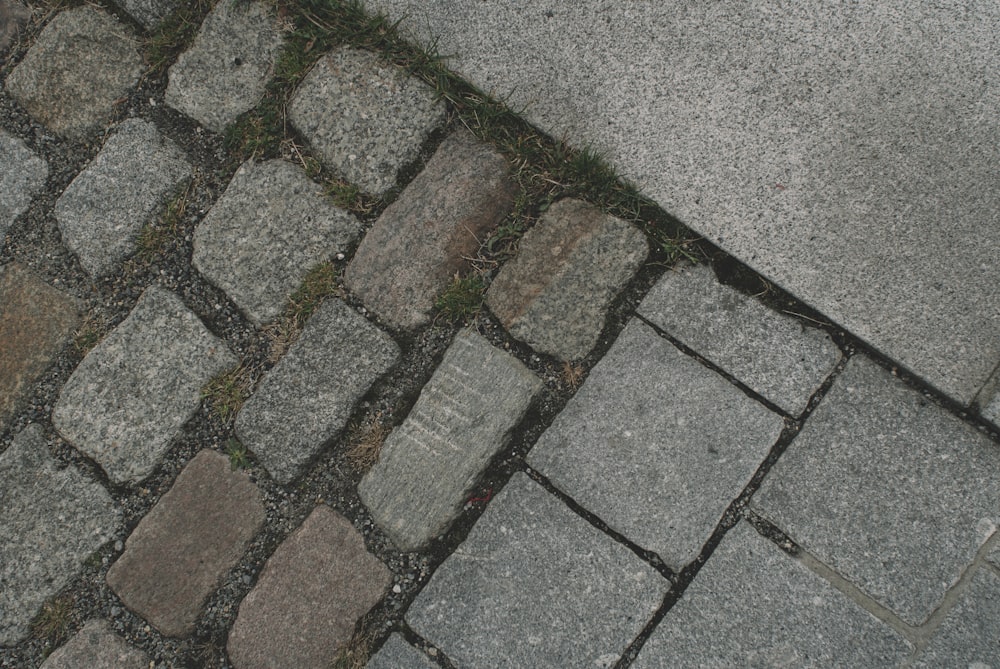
53, 621
366, 442
237, 453
174, 35
227, 392
155, 235
321, 282
462, 300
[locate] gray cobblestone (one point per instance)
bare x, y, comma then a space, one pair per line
396, 654
22, 174
96, 647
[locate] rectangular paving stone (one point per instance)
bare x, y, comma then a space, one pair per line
82, 62
179, 552
463, 417
535, 585
751, 605
822, 145
772, 354
364, 117
970, 634
135, 390
103, 210
96, 647
396, 653
554, 295
271, 226
888, 489
656, 445
312, 591
421, 240
307, 398
51, 519
22, 174
36, 322
224, 72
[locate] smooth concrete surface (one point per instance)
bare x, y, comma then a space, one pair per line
850, 153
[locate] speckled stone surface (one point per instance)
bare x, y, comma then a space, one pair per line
22, 174
271, 226
150, 12
96, 647
366, 118
307, 398
103, 210
396, 653
752, 605
519, 592
51, 519
137, 388
312, 591
654, 429
970, 634
224, 72
876, 472
181, 549
82, 62
462, 419
421, 240
554, 295
773, 354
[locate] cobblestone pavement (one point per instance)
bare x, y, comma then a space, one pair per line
614, 463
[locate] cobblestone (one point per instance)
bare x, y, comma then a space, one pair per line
309, 597
307, 398
22, 174
96, 647
150, 12
51, 519
137, 388
364, 117
180, 550
36, 321
102, 212
396, 653
422, 239
462, 419
83, 61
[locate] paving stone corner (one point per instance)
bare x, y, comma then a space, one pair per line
22, 175
396, 653
96, 647
177, 555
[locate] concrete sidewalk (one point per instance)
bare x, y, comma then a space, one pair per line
240, 427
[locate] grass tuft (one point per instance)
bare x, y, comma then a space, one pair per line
367, 443
227, 392
173, 35
237, 453
462, 300
53, 621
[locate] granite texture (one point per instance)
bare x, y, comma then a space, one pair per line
364, 117
970, 634
774, 355
654, 429
309, 597
888, 489
150, 13
103, 210
22, 174
751, 605
271, 226
554, 295
135, 390
96, 647
224, 72
307, 398
534, 585
51, 519
83, 61
397, 654
464, 416
177, 555
420, 242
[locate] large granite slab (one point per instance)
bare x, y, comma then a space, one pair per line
773, 354
181, 549
888, 489
224, 72
135, 390
464, 415
535, 585
51, 519
103, 210
421, 241
36, 322
83, 61
271, 226
312, 591
656, 445
752, 605
849, 152
22, 174
366, 118
554, 295
308, 397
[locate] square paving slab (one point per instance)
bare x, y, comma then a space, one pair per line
851, 153
888, 489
